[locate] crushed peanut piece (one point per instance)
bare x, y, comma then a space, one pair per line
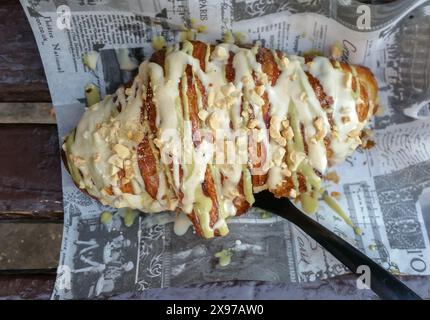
116, 161
228, 89
274, 131
158, 143
293, 77
221, 103
368, 144
285, 62
122, 151
345, 119
318, 123
296, 158
245, 79
113, 170
303, 96
285, 124
354, 133
336, 51
260, 90
96, 157
348, 80
211, 98
286, 172
203, 115
332, 176
288, 133
344, 110
278, 156
253, 123
255, 99
335, 195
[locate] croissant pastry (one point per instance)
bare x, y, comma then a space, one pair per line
202, 127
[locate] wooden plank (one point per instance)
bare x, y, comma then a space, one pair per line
340, 288
29, 245
26, 287
30, 179
22, 75
27, 112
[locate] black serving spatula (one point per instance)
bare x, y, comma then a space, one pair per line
382, 282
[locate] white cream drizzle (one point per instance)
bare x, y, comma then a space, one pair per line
291, 98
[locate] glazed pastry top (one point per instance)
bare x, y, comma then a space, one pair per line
203, 127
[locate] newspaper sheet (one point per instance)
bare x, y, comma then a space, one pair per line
385, 190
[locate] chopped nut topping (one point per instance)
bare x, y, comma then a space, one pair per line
296, 158
332, 176
260, 90
245, 79
288, 133
259, 134
213, 121
368, 144
129, 173
285, 124
158, 143
278, 156
319, 135
335, 195
228, 89
274, 131
96, 157
220, 53
138, 136
354, 133
318, 123
128, 91
232, 193
344, 110
348, 80
77, 160
286, 172
203, 115
345, 119
303, 96
116, 161
293, 77
255, 99
230, 101
211, 98
121, 150
285, 62
336, 51
221, 103
113, 170
116, 125
253, 123
335, 134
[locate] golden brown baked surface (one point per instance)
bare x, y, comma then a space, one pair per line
298, 115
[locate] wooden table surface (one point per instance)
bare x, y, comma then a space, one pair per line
30, 181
